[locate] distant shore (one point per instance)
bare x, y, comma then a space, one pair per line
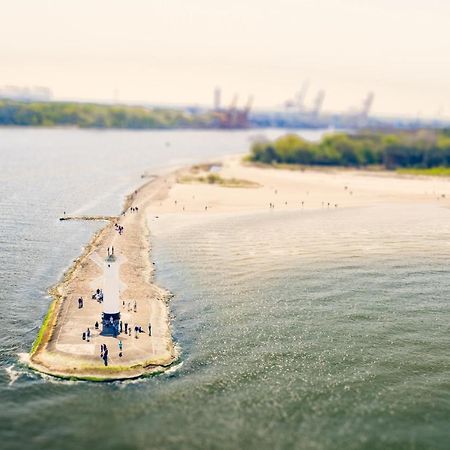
96, 116
226, 186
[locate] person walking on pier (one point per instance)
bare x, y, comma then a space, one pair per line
105, 356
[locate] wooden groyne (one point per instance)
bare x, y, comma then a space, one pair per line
104, 218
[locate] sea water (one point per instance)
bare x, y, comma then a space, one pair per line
321, 329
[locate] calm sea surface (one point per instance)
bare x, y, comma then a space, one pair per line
324, 329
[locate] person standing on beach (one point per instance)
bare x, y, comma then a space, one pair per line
135, 306
149, 329
120, 349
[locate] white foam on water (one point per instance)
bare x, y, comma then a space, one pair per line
123, 383
172, 370
13, 374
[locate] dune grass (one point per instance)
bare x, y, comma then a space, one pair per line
215, 179
432, 171
44, 327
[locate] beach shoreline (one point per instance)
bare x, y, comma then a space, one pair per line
227, 186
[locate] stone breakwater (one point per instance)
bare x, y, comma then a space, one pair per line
59, 348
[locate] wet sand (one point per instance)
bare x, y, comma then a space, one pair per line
62, 352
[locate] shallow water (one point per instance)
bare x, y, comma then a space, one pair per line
318, 330
325, 329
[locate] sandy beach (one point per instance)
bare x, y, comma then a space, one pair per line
312, 188
60, 349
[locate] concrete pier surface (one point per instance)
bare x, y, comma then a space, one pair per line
125, 280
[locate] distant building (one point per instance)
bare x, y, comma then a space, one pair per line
217, 95
27, 94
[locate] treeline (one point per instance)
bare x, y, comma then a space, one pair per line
418, 149
88, 115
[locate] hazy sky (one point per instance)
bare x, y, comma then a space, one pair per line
177, 51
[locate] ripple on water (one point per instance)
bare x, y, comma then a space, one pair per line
329, 327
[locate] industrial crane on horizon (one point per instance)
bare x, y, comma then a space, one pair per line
232, 117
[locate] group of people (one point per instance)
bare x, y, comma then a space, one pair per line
272, 205
98, 295
118, 228
86, 336
129, 308
119, 327
124, 328
104, 353
137, 330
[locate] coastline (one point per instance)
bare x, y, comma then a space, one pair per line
46, 355
257, 189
